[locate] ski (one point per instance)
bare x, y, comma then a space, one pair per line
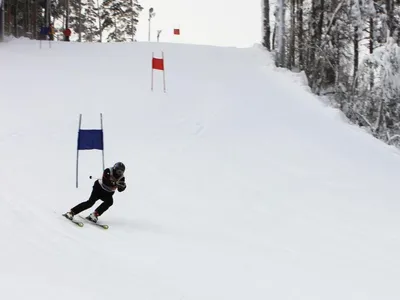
80, 224
104, 226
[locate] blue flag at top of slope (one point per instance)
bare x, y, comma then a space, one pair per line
44, 30
89, 139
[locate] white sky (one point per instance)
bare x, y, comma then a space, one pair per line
210, 22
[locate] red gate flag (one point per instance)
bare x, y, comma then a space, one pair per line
177, 31
157, 64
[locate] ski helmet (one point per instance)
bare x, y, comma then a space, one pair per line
119, 168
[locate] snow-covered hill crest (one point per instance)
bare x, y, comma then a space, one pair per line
240, 183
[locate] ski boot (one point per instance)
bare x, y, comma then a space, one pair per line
93, 217
69, 215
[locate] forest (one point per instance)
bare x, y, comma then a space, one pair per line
348, 50
90, 20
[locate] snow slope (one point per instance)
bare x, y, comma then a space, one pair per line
241, 184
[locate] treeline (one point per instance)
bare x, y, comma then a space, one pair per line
349, 51
91, 20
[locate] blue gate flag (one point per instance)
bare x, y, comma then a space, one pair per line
44, 30
90, 139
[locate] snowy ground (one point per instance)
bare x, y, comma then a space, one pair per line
241, 184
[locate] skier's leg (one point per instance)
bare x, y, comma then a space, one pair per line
94, 196
107, 202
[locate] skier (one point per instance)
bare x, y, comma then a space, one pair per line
103, 189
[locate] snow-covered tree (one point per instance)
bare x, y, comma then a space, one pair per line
379, 106
91, 31
349, 51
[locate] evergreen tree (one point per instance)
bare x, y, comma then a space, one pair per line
98, 21
121, 18
91, 30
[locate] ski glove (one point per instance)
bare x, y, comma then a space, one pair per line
121, 186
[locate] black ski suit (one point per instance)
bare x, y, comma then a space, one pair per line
103, 189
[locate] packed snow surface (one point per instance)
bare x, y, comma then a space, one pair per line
241, 185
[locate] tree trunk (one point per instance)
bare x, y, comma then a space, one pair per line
7, 16
280, 60
397, 29
80, 21
273, 38
339, 72
47, 13
2, 21
318, 22
15, 21
25, 16
390, 17
34, 18
67, 14
300, 33
380, 117
99, 17
371, 50
356, 52
311, 49
291, 60
132, 21
321, 21
267, 27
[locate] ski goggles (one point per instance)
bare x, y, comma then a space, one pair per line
119, 172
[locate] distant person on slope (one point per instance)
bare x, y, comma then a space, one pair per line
103, 189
